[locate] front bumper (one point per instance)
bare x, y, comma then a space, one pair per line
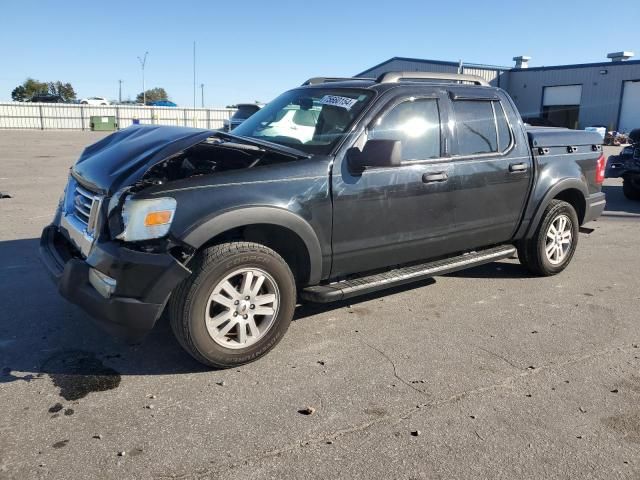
595, 204
144, 282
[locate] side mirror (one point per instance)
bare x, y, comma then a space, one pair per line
375, 154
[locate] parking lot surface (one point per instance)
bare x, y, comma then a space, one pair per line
487, 373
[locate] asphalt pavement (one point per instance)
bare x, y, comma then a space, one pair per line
487, 373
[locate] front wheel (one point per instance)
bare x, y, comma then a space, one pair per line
236, 305
631, 187
552, 246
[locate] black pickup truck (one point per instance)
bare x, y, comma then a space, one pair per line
377, 183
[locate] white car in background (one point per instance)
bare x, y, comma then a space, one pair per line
94, 101
294, 122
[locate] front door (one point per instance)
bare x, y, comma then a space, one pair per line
394, 215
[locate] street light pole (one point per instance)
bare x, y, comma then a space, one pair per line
143, 62
202, 96
194, 76
119, 91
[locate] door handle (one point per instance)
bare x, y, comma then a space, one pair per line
518, 167
435, 177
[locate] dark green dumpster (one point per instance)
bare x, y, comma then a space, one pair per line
100, 123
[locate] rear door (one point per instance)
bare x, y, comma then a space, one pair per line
493, 167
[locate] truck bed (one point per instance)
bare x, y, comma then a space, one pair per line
544, 137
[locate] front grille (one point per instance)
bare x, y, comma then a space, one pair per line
86, 207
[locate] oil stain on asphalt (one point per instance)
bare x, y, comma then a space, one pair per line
77, 373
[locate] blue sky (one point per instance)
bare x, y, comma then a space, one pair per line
250, 50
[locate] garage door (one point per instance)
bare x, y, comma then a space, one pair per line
630, 108
561, 105
564, 95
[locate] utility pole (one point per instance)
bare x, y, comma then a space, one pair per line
119, 91
194, 75
143, 62
202, 95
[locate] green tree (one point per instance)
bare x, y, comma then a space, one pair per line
153, 95
19, 94
65, 90
33, 87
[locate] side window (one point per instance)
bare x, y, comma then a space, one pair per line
504, 132
416, 123
475, 127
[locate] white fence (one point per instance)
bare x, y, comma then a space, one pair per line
45, 116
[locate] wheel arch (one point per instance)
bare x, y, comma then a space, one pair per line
283, 231
571, 191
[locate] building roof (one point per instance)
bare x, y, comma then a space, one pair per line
436, 62
497, 67
579, 65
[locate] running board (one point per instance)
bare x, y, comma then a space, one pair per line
399, 276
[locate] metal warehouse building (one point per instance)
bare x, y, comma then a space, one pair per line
575, 96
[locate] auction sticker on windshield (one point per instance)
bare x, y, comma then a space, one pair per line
337, 101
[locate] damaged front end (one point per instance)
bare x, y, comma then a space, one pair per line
109, 249
140, 220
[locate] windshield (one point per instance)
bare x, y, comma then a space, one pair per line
308, 119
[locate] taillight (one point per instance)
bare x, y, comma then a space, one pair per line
600, 169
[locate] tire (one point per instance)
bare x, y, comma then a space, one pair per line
249, 334
631, 187
84, 103
533, 252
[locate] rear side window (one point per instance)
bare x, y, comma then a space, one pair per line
416, 123
481, 127
475, 127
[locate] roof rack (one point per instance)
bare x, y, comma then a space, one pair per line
394, 77
317, 80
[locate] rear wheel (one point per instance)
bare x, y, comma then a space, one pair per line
552, 246
236, 305
631, 187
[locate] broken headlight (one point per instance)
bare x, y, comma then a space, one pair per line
147, 218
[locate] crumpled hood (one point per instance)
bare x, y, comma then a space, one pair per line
124, 156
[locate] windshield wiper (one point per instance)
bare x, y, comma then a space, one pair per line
294, 152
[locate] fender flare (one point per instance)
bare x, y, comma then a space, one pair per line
561, 186
205, 231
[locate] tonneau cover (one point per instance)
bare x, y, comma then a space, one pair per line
561, 137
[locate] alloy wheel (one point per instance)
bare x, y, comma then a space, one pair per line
559, 239
242, 308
